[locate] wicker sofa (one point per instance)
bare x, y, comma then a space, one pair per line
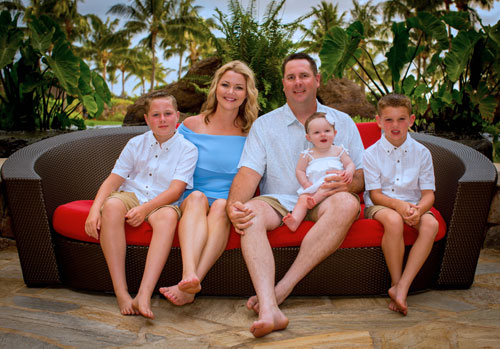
70, 167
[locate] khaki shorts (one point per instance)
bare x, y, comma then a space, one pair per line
370, 211
312, 215
130, 201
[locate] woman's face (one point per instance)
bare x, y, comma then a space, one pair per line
231, 90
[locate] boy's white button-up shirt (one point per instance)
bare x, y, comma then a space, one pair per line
275, 142
149, 169
401, 172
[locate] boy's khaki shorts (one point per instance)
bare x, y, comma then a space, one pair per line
370, 211
312, 215
130, 201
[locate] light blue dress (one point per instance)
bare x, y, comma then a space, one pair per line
218, 158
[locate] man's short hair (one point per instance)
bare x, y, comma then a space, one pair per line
300, 55
394, 100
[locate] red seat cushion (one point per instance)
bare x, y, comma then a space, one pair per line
69, 220
369, 132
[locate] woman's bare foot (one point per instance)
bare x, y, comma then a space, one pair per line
176, 296
268, 322
398, 300
291, 222
125, 304
190, 285
142, 305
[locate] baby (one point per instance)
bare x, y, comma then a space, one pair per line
315, 164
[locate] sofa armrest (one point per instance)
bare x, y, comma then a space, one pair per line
44, 175
465, 181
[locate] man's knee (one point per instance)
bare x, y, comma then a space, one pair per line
265, 217
344, 202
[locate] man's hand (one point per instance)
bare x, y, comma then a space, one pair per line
135, 216
240, 216
335, 183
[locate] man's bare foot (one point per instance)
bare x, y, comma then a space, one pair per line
281, 295
398, 300
142, 305
176, 296
190, 285
310, 202
125, 305
291, 222
253, 304
268, 322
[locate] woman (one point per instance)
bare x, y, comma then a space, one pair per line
219, 132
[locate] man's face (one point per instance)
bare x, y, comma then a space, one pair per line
299, 82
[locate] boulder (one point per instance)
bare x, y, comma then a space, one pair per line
189, 100
345, 95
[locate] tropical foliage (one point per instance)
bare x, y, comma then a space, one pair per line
43, 81
262, 45
457, 90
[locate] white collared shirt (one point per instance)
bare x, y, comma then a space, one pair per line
401, 172
149, 169
275, 142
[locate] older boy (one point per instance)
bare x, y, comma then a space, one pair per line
399, 182
148, 179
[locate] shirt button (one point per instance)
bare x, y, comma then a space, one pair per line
156, 156
397, 179
398, 161
150, 174
392, 189
147, 187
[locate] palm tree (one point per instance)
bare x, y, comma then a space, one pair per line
103, 42
326, 16
64, 12
185, 32
146, 16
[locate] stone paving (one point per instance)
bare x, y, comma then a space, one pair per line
63, 318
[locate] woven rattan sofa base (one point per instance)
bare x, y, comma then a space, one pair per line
71, 167
350, 271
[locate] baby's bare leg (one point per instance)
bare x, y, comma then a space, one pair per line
316, 198
293, 220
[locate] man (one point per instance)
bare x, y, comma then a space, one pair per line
269, 157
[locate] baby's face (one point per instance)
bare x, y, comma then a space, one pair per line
321, 133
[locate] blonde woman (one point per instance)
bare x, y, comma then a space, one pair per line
219, 133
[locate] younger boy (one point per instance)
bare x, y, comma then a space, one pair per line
399, 182
148, 178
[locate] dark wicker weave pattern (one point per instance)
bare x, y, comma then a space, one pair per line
70, 167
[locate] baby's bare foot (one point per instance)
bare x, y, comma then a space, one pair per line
310, 202
291, 222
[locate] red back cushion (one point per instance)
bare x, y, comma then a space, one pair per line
370, 133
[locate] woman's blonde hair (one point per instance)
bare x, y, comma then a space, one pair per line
249, 109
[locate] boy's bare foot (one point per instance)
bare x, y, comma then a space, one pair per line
398, 300
190, 285
310, 202
143, 306
291, 222
268, 322
125, 304
176, 296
